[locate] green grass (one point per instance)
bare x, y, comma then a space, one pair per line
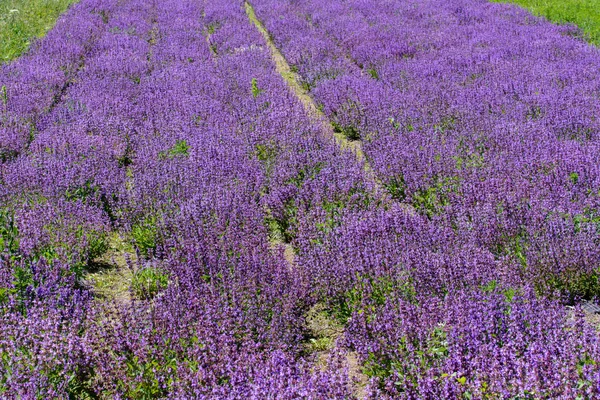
583, 13
23, 20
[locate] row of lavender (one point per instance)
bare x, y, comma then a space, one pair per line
481, 117
177, 133
32, 85
57, 193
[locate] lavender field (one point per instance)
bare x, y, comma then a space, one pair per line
300, 199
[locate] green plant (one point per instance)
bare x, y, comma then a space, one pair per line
9, 232
428, 352
305, 173
574, 178
446, 123
81, 192
535, 113
179, 149
97, 244
394, 123
148, 282
349, 131
282, 227
145, 236
433, 199
255, 90
267, 155
590, 217
104, 15
4, 94
572, 283
23, 279
369, 292
396, 188
212, 28
374, 74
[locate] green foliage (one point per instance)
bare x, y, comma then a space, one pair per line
350, 132
574, 178
576, 132
493, 287
212, 28
354, 113
395, 123
92, 243
282, 227
471, 156
104, 15
7, 155
82, 192
469, 161
80, 256
446, 123
432, 200
23, 279
125, 159
321, 330
23, 20
145, 236
427, 352
396, 188
4, 95
80, 385
370, 292
267, 155
333, 210
147, 282
9, 232
310, 83
307, 172
97, 244
89, 191
513, 246
374, 74
589, 217
535, 113
180, 149
573, 283
255, 90
583, 13
150, 376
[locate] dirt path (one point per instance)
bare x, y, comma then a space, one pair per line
111, 279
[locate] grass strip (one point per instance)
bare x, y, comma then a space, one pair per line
21, 21
583, 13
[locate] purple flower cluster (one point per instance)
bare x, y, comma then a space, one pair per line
166, 124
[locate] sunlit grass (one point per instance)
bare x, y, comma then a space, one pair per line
23, 20
583, 13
